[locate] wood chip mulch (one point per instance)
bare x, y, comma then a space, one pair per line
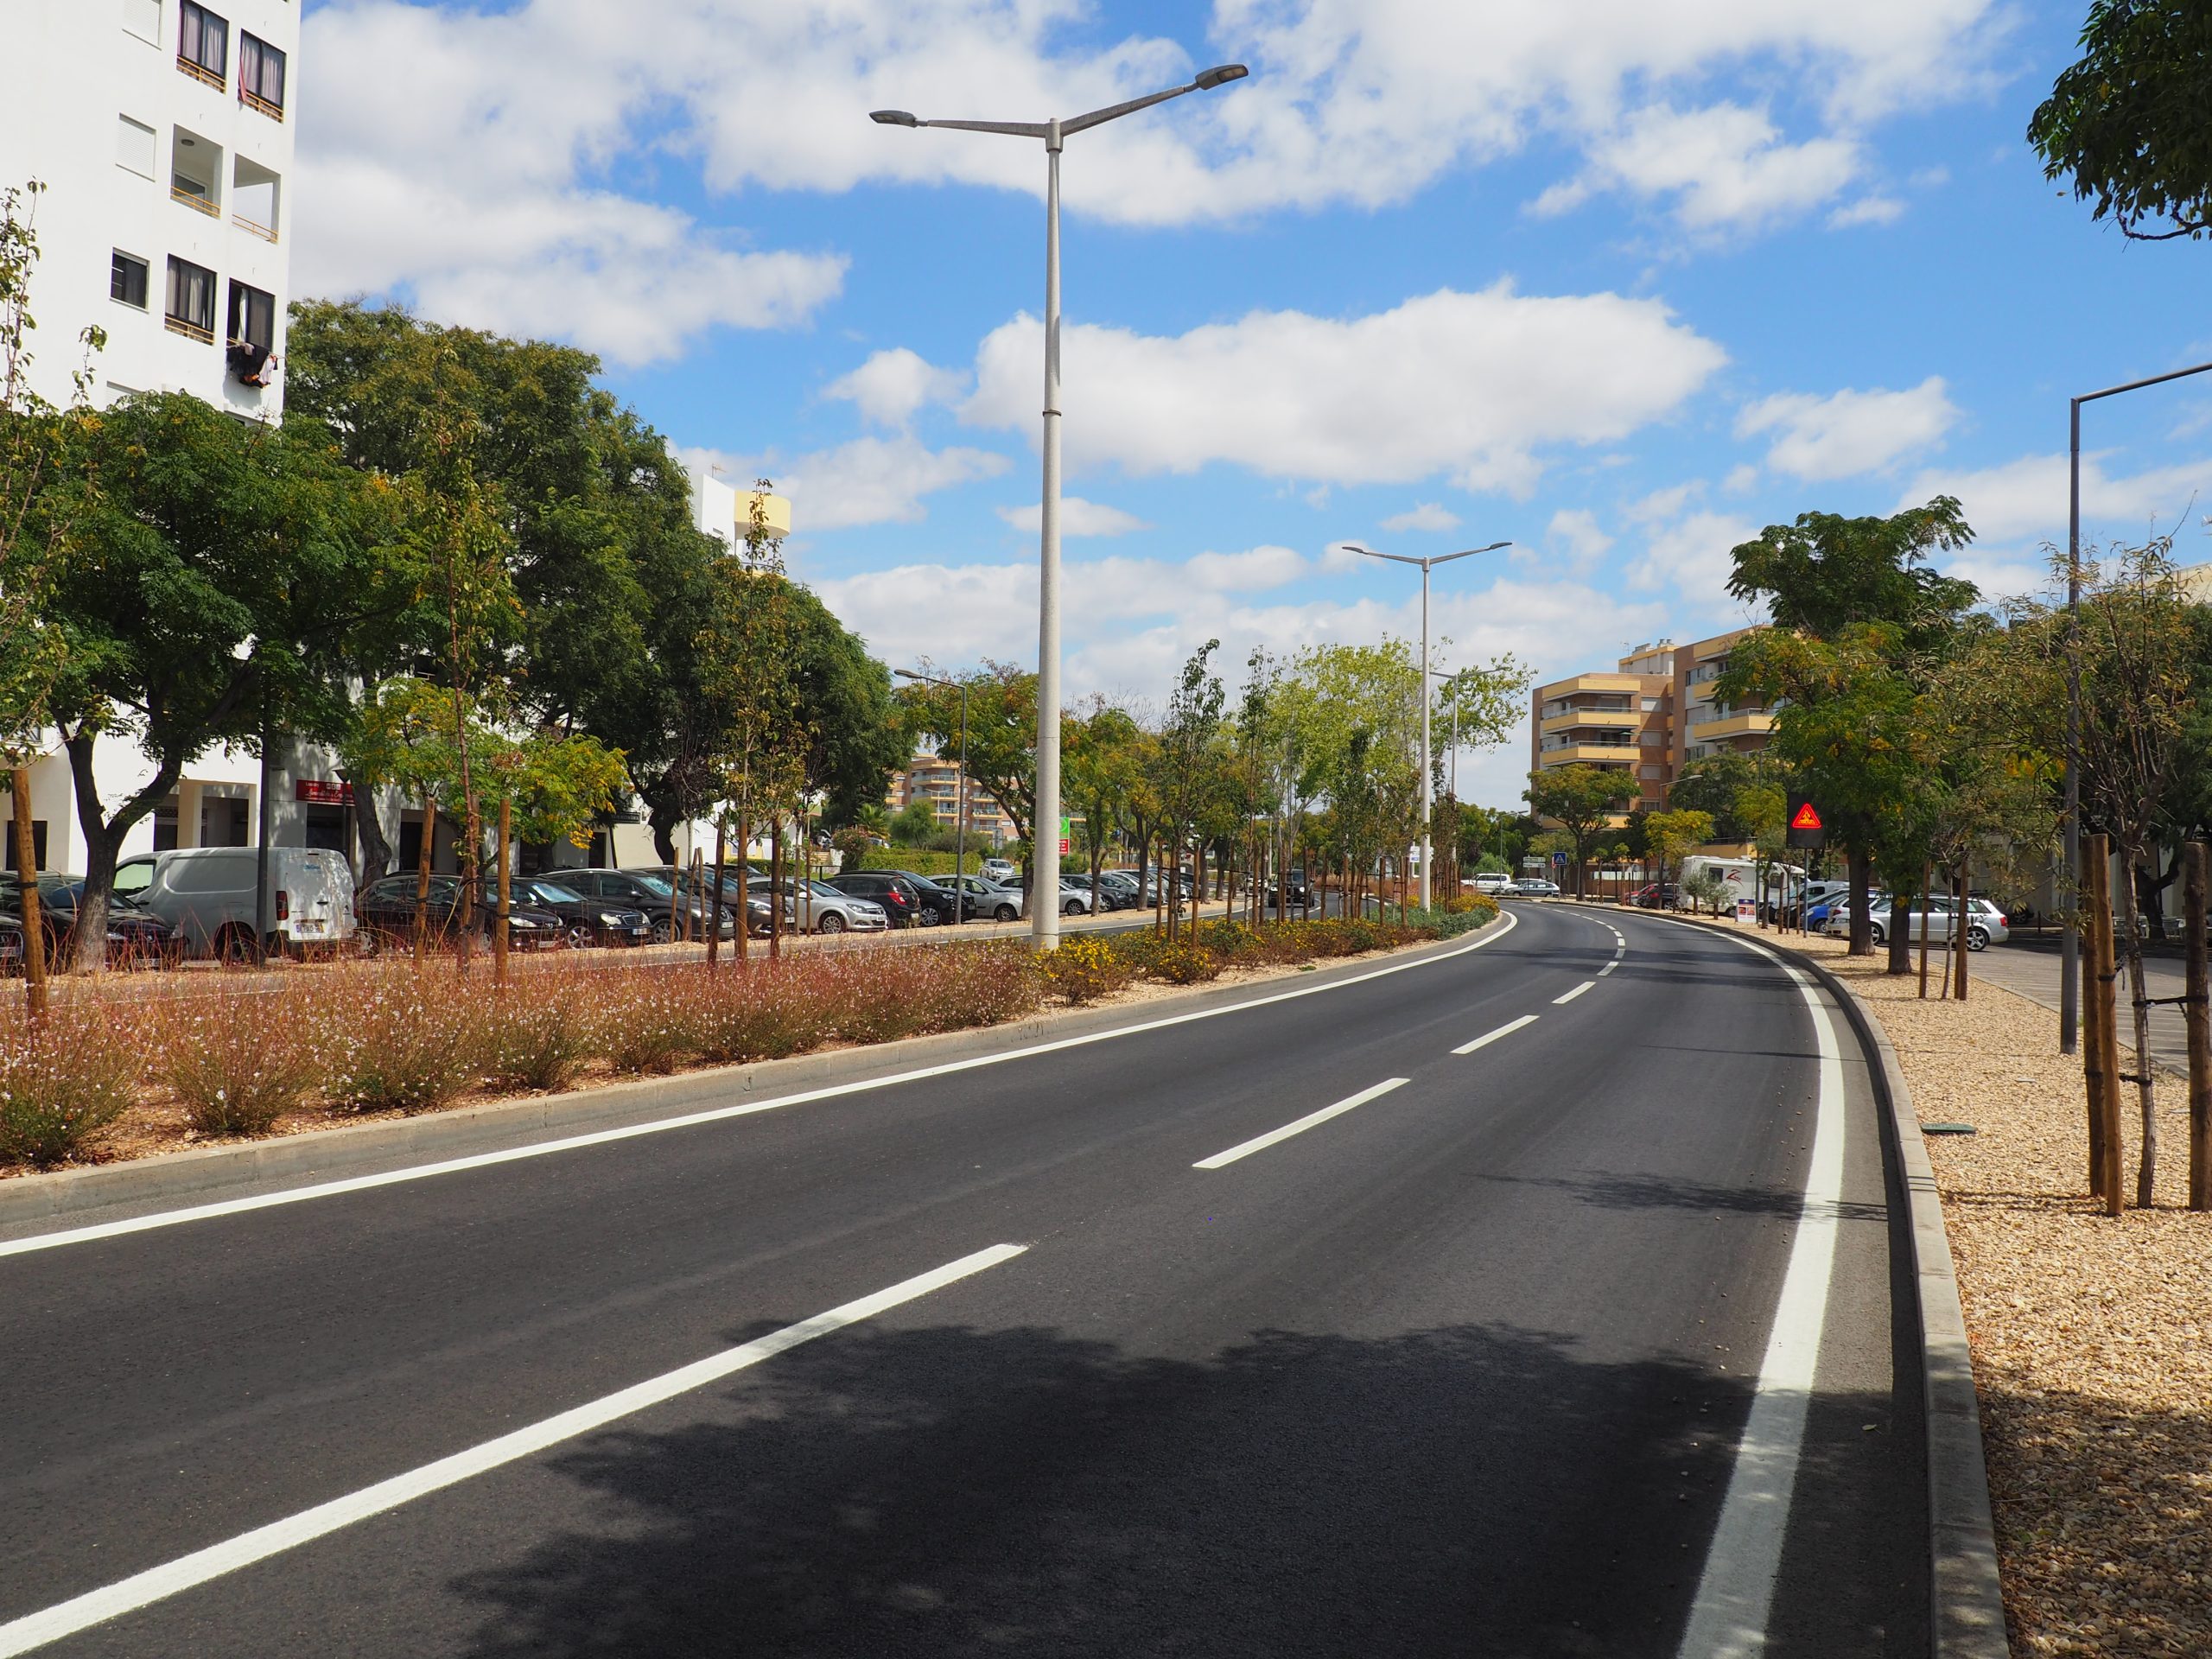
2090, 1335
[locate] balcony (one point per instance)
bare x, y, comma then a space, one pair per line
1589, 754
1746, 723
267, 233
205, 77
190, 330
194, 198
255, 101
1603, 719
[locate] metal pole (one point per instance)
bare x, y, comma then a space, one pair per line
1043, 910
2069, 941
262, 924
1428, 788
960, 817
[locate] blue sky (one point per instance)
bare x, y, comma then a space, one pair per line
1620, 281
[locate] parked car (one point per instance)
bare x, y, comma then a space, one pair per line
385, 911
11, 945
209, 895
987, 899
1534, 887
1985, 924
1492, 882
1658, 895
941, 906
1074, 900
135, 936
899, 897
589, 921
1001, 871
1117, 890
654, 892
820, 908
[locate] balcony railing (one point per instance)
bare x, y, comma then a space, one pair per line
255, 101
266, 233
206, 77
196, 200
190, 330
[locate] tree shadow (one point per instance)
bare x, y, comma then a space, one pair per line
948, 1490
1673, 1192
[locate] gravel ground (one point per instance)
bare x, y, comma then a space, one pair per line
2090, 1335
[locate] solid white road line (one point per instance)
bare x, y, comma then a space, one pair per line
1489, 1037
1735, 1595
1609, 967
1262, 1142
142, 1589
1576, 992
714, 1114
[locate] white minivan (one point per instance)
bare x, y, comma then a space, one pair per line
207, 895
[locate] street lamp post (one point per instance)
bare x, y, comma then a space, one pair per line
1439, 674
1044, 918
959, 794
1428, 790
2069, 943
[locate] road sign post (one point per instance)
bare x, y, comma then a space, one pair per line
1805, 830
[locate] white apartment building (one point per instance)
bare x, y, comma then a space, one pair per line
162, 130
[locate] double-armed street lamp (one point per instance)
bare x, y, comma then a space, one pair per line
959, 791
1428, 788
1044, 918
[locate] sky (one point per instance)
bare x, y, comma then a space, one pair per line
1618, 282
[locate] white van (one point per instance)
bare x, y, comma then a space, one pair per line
1492, 882
207, 895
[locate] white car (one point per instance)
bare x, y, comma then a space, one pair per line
1492, 882
1534, 887
207, 893
1986, 925
1001, 871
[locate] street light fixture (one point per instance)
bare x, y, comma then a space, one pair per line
1044, 918
2069, 943
1428, 790
959, 791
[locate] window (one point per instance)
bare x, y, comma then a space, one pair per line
203, 44
126, 279
134, 146
251, 335
144, 19
261, 75
191, 302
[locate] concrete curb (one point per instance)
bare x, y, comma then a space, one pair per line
1967, 1618
367, 1148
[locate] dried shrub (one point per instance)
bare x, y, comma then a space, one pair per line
538, 1033
649, 1023
760, 1014
238, 1060
412, 1044
63, 1081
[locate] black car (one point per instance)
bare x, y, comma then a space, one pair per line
1115, 890
134, 935
909, 900
11, 945
590, 921
385, 911
652, 891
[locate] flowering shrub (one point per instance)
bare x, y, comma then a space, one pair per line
758, 1014
1085, 967
649, 1022
62, 1082
238, 1060
538, 1033
1179, 962
411, 1046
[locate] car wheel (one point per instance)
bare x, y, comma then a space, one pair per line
234, 944
1003, 913
1977, 938
927, 917
1874, 930
579, 937
831, 922
663, 931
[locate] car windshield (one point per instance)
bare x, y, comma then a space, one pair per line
549, 892
657, 885
824, 890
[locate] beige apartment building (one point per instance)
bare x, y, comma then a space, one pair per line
936, 779
1651, 715
1621, 721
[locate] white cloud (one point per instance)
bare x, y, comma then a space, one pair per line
1867, 210
496, 161
892, 387
1573, 531
1375, 399
1426, 515
1724, 168
868, 481
1850, 432
2025, 499
1741, 480
1078, 517
1692, 557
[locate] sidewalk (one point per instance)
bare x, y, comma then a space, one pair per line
2031, 971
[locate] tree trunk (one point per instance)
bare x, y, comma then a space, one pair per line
721, 853
19, 785
1862, 925
2146, 1166
1959, 921
499, 930
423, 880
1900, 940
376, 851
745, 899
2198, 1018
775, 888
2098, 1059
1924, 877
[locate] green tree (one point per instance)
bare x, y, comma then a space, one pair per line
2126, 122
1671, 835
1183, 775
915, 824
1104, 751
1825, 572
1002, 733
1581, 801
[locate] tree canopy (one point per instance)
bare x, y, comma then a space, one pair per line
2127, 122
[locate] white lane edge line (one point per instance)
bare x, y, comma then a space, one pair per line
1489, 1037
186, 1572
1261, 1142
1735, 1592
1609, 967
1576, 992
688, 1120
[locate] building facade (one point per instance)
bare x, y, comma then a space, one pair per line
935, 780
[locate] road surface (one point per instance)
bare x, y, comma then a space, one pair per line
1291, 1330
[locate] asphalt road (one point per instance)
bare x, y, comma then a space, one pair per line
1459, 1369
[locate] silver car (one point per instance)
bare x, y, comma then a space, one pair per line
987, 899
1986, 925
820, 908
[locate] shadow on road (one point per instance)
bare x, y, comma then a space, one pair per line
1468, 1490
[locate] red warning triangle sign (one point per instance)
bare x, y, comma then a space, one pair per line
1806, 818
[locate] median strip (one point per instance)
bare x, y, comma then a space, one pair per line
187, 1571
1262, 1142
1576, 992
1489, 1037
